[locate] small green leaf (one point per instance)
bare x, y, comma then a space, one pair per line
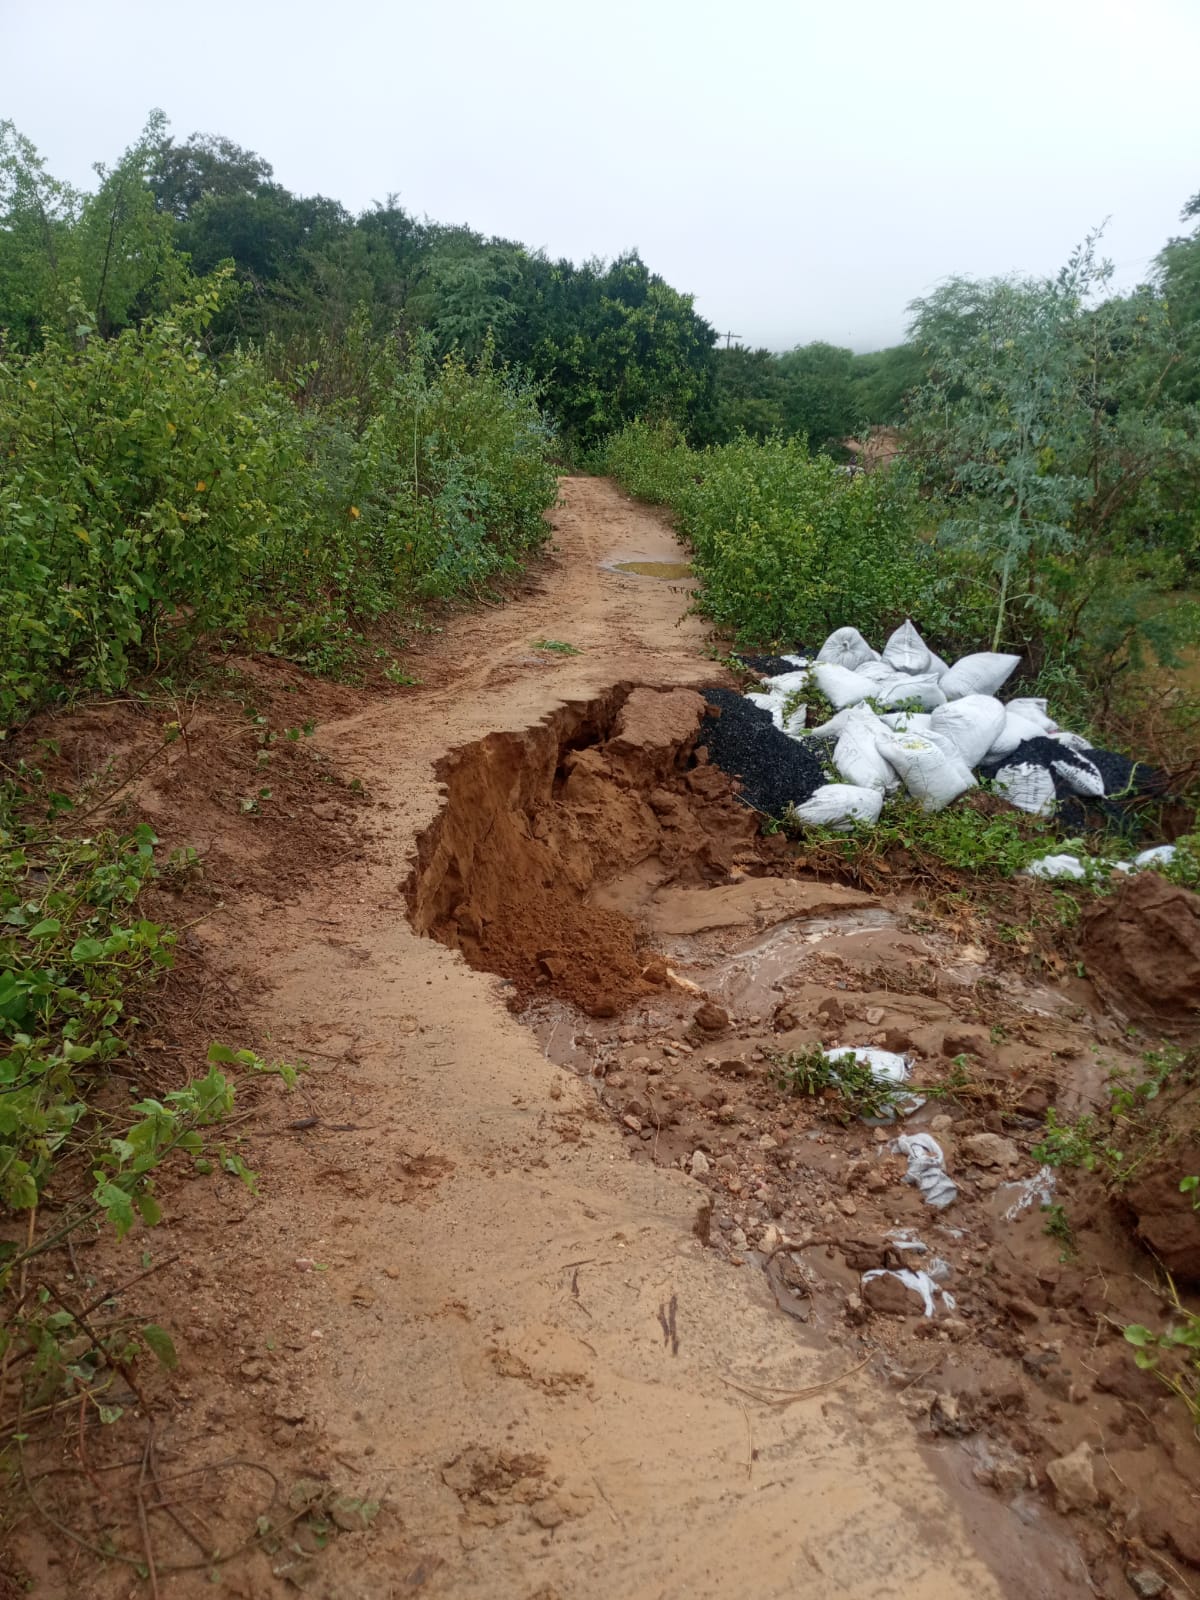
110, 1413
160, 1342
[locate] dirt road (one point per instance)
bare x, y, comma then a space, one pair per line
458, 1296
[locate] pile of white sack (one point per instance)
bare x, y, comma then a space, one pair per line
953, 723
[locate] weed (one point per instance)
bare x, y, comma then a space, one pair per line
848, 1086
1074, 1144
1173, 1354
396, 674
558, 647
1058, 1226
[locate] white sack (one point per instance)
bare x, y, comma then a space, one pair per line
876, 672
906, 650
791, 723
1081, 777
930, 775
1033, 707
1028, 787
797, 661
856, 755
840, 686
840, 805
1073, 741
921, 687
788, 682
1015, 731
974, 722
1062, 866
937, 666
907, 721
834, 726
846, 647
984, 673
1159, 856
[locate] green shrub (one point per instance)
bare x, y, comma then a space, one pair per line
789, 546
152, 497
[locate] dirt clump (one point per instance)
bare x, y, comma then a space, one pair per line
1164, 1150
1143, 944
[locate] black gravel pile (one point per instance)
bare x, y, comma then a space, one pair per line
1125, 781
775, 771
768, 666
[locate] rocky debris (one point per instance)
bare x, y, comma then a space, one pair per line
711, 1019
989, 1150
1163, 1149
1143, 944
1074, 1479
892, 1298
698, 1164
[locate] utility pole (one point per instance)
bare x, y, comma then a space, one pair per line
727, 337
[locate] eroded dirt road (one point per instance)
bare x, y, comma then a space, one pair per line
457, 1295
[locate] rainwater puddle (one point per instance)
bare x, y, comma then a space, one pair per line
748, 980
656, 569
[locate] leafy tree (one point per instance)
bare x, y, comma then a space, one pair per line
205, 165
1046, 426
1178, 267
818, 399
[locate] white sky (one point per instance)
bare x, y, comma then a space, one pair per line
804, 168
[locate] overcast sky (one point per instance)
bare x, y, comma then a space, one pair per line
804, 169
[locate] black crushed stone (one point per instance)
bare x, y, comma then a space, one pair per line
1125, 781
775, 771
768, 666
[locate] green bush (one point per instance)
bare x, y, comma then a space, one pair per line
152, 497
789, 546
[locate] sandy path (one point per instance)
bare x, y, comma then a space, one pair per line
496, 1266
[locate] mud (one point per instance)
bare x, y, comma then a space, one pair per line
537, 1316
1143, 945
733, 956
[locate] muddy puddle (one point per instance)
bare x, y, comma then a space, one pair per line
676, 570
673, 957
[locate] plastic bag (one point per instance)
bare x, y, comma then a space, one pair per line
921, 1282
1028, 787
929, 773
927, 1169
846, 647
906, 650
856, 755
840, 686
974, 722
840, 805
985, 673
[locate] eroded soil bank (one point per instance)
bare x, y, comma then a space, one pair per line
673, 956
537, 1317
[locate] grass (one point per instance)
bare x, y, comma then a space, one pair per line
558, 647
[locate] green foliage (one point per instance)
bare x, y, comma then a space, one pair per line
1068, 468
848, 1086
558, 647
996, 845
70, 949
788, 545
152, 497
1073, 1144
1172, 1354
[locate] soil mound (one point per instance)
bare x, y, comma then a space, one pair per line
534, 821
1143, 943
1166, 1151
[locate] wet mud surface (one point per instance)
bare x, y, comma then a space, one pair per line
665, 951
